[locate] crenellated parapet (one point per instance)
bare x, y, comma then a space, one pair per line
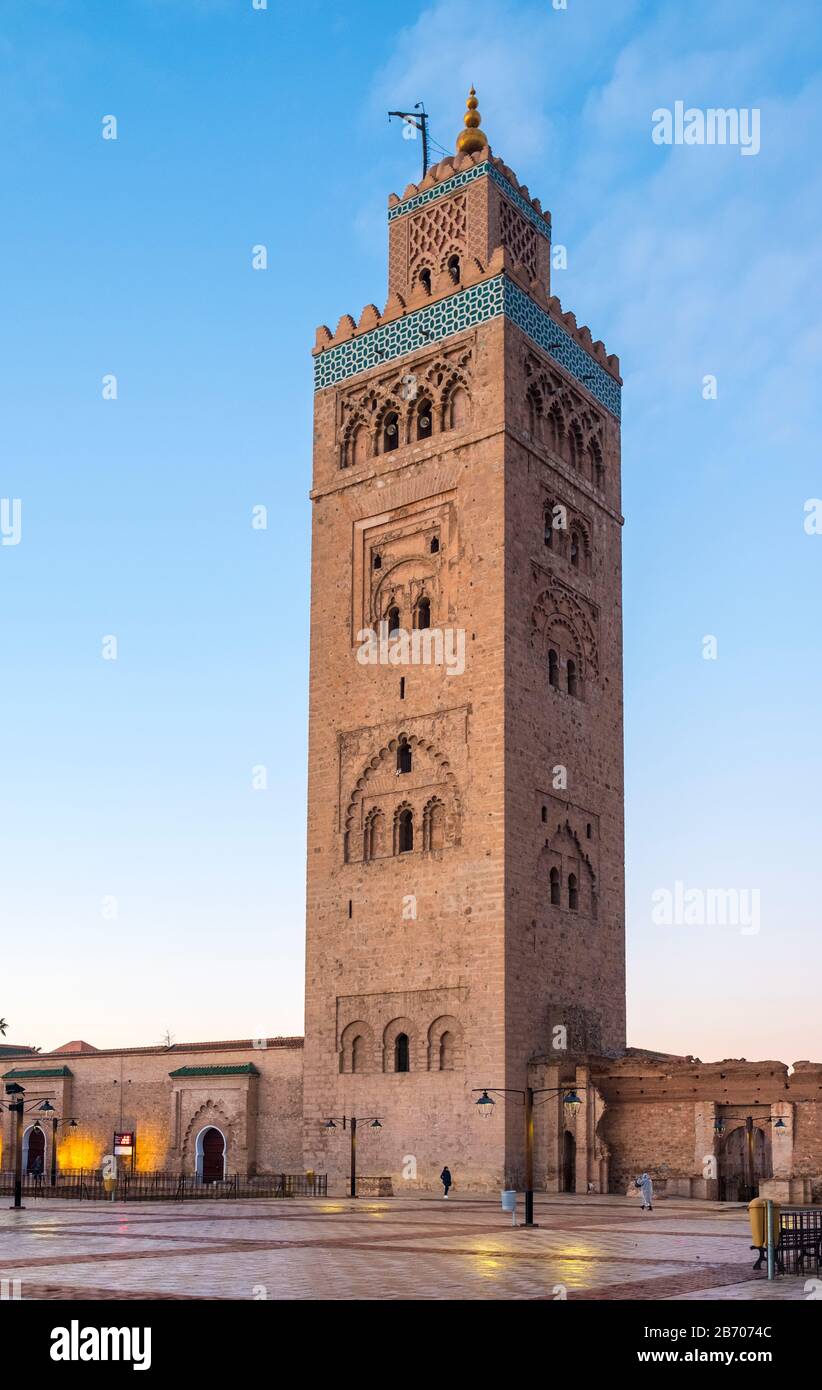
503, 287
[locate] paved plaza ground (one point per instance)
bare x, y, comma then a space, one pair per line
599, 1248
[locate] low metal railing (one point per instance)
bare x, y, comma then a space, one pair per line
87, 1184
800, 1240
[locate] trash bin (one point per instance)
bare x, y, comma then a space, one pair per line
758, 1217
509, 1199
109, 1185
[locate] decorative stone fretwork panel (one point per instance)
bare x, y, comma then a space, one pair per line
563, 533
518, 237
435, 233
563, 621
401, 558
570, 844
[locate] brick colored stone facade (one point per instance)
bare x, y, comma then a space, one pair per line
250, 1092
478, 477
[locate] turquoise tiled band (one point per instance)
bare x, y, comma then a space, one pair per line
459, 311
477, 171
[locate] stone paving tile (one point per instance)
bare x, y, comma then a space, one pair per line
405, 1248
755, 1290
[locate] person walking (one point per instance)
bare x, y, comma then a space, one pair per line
646, 1186
446, 1180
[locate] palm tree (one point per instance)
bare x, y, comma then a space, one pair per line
3, 1026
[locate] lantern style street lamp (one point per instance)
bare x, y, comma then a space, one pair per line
485, 1109
56, 1122
351, 1121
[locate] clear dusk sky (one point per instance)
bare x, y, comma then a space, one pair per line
132, 779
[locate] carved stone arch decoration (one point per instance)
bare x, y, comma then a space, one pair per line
446, 1051
405, 830
565, 853
595, 458
558, 609
390, 406
455, 403
357, 441
555, 426
535, 407
575, 443
380, 783
210, 1113
434, 826
396, 582
357, 1052
426, 267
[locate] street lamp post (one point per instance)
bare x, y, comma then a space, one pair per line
17, 1107
56, 1122
572, 1103
351, 1122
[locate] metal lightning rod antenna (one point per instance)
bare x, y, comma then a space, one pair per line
419, 119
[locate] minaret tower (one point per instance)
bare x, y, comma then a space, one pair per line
465, 821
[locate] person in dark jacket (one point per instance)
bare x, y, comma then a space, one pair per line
446, 1180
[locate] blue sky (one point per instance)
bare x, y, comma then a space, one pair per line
132, 778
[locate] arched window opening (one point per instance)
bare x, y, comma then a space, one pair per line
572, 678
392, 617
575, 549
377, 562
554, 880
403, 757
544, 814
358, 1053
405, 832
454, 268
401, 1053
573, 892
447, 1052
548, 532
424, 613
456, 409
425, 280
425, 421
553, 668
390, 431
588, 830
435, 545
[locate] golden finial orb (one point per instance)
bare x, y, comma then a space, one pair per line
472, 138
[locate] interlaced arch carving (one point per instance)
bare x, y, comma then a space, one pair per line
379, 779
561, 620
